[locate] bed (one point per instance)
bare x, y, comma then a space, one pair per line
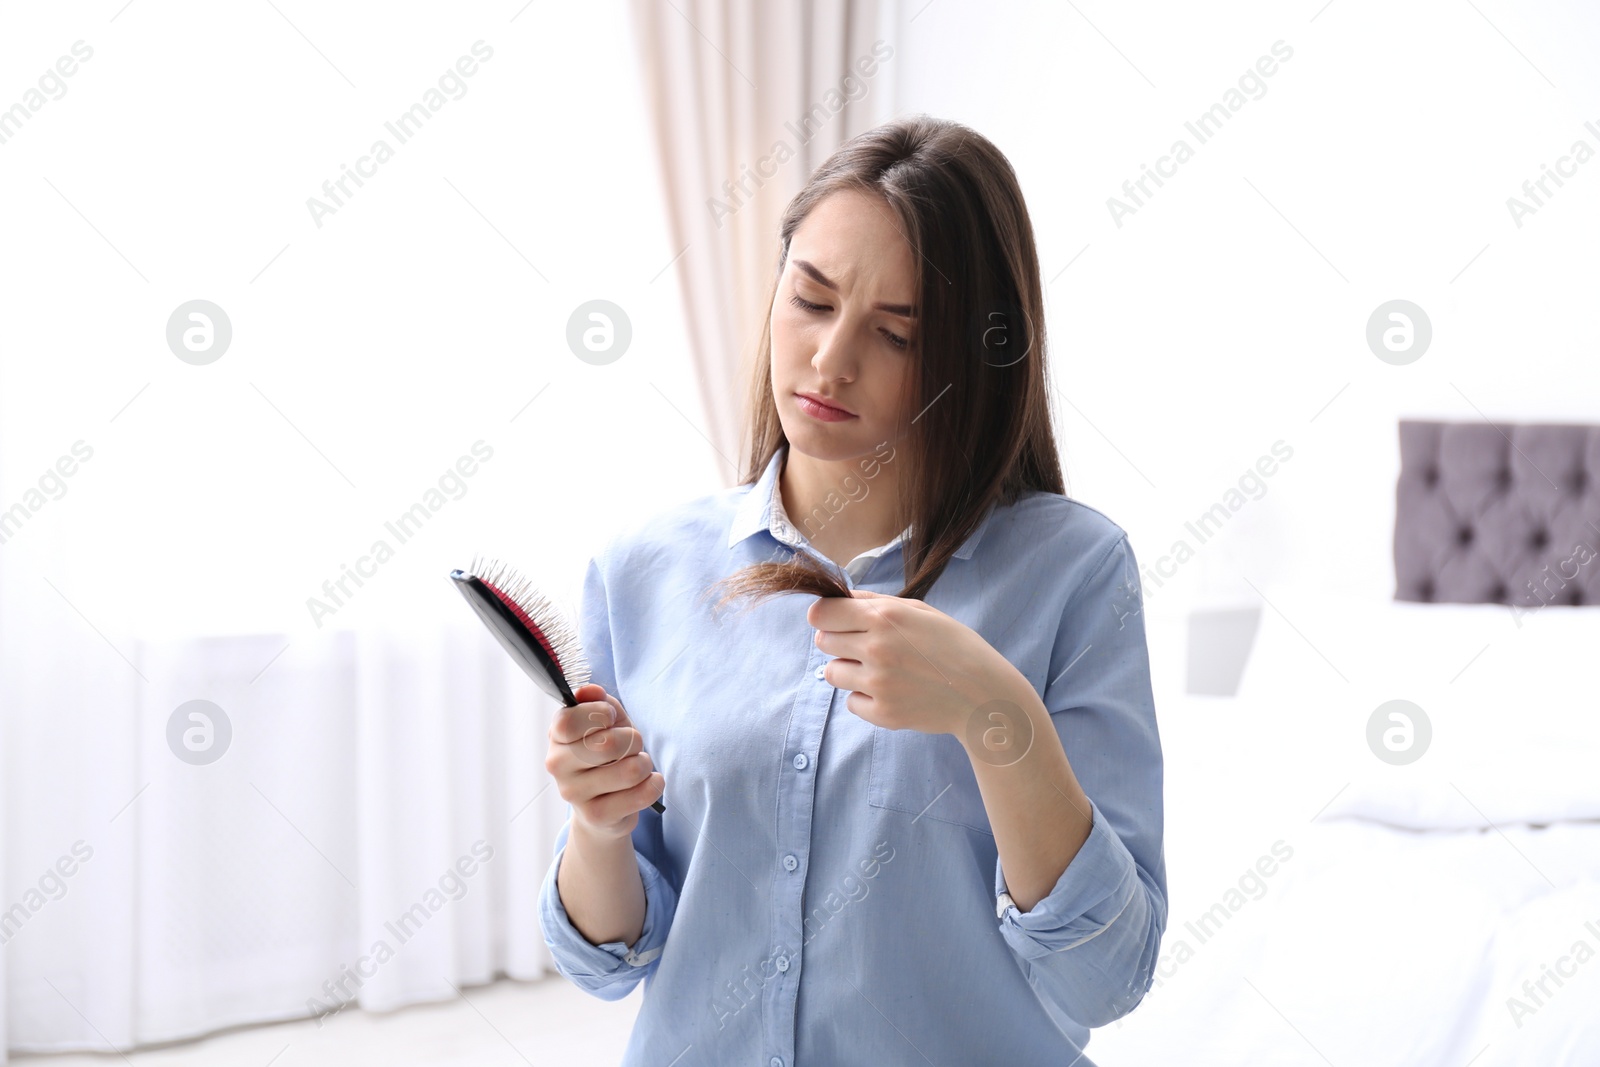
1385, 848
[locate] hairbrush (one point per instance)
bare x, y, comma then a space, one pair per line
532, 629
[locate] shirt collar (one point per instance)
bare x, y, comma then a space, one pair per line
756, 510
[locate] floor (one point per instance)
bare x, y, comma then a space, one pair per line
508, 1023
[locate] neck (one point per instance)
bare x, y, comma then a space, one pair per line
843, 503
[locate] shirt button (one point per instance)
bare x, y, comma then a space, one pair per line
775, 1062
820, 671
790, 863
800, 761
782, 963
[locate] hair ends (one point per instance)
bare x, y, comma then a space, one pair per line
801, 573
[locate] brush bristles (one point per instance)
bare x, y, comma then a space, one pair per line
547, 617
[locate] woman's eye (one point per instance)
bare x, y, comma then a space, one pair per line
806, 305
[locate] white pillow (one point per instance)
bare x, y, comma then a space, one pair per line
1512, 704
1476, 785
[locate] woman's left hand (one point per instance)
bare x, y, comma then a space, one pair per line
908, 665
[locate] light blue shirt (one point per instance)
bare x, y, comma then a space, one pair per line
823, 891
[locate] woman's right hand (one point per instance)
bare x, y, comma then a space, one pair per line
597, 760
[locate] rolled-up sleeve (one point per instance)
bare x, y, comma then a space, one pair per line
1089, 947
609, 970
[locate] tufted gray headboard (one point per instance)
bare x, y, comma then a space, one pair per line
1501, 514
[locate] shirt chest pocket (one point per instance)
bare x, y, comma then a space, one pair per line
927, 776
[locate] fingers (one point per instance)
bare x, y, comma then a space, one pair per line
597, 706
589, 692
608, 791
596, 749
598, 762
625, 804
571, 724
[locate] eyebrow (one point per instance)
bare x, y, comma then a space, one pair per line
903, 310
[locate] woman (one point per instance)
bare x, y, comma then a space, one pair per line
959, 859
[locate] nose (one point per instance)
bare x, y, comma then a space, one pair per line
833, 360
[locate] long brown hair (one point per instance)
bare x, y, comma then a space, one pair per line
976, 429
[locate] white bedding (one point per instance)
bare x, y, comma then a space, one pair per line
1375, 947
1402, 908
1512, 702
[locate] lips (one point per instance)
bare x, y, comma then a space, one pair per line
814, 398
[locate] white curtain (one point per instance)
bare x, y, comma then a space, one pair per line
746, 100
335, 852
166, 523
369, 836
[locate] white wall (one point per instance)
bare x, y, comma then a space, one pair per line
1189, 340
1230, 310
372, 352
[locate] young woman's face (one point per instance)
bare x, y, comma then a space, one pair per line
855, 343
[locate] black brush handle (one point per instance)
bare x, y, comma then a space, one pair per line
519, 642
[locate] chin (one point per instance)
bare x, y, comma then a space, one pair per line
824, 446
